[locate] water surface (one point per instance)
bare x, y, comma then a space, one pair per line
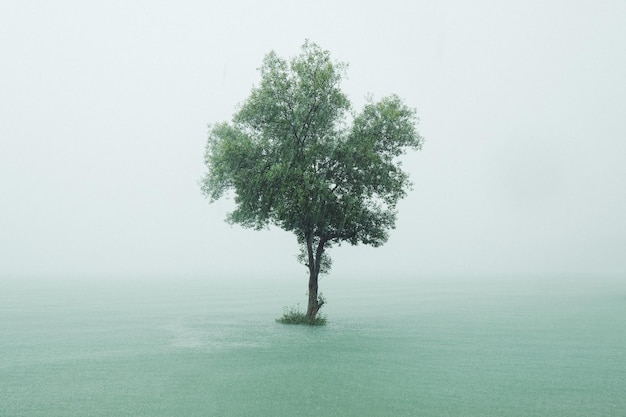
418, 347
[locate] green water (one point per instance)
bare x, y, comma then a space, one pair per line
414, 348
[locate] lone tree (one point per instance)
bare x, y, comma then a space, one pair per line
297, 157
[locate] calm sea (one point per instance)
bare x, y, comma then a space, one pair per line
419, 347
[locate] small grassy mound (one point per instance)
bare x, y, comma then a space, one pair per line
293, 315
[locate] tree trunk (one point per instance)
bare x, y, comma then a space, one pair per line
314, 305
315, 262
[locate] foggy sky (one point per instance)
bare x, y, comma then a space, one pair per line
105, 107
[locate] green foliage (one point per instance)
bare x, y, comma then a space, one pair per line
297, 156
292, 159
293, 315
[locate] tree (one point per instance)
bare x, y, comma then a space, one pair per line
293, 160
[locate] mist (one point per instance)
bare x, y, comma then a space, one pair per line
105, 112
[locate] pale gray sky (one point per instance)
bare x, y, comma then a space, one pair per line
105, 107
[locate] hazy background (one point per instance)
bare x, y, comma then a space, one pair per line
104, 111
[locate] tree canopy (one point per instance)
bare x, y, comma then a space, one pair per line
296, 156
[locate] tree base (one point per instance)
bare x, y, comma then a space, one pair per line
294, 316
